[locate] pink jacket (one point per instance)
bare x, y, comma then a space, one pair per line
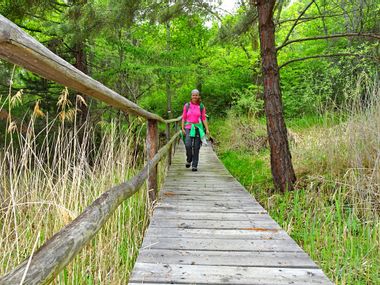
193, 115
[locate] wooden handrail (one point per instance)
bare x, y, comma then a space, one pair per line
18, 47
173, 120
59, 250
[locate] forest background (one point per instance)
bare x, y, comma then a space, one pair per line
154, 53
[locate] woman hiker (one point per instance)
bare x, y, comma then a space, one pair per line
194, 113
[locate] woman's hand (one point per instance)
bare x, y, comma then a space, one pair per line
207, 132
184, 132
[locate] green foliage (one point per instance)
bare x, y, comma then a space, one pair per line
249, 169
246, 101
314, 85
330, 232
139, 50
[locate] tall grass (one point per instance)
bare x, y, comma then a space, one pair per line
348, 154
47, 179
334, 213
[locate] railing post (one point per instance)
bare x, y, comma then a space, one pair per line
175, 131
151, 148
167, 140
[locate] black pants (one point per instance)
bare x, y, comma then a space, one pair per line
193, 144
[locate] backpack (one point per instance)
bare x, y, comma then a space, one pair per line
188, 106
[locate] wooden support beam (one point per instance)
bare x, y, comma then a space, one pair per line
170, 148
151, 148
176, 130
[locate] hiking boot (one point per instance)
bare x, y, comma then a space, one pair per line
194, 169
187, 164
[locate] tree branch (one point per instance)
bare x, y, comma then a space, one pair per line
208, 9
30, 29
323, 56
144, 91
323, 19
42, 18
366, 35
312, 18
296, 22
245, 51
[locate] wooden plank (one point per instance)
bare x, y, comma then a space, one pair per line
220, 202
202, 185
201, 190
284, 245
191, 180
247, 234
207, 230
204, 194
199, 206
208, 200
162, 215
232, 190
209, 173
200, 177
223, 258
212, 209
205, 274
214, 224
209, 209
217, 186
210, 203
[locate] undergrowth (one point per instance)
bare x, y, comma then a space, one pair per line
334, 212
50, 176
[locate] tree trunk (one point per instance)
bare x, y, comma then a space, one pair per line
168, 75
80, 58
281, 161
81, 64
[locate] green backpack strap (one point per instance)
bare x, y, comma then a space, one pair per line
188, 106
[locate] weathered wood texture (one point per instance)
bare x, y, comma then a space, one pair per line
18, 47
59, 250
151, 149
167, 133
207, 229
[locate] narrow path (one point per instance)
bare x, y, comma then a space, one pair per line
207, 229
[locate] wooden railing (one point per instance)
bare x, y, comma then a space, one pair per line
19, 48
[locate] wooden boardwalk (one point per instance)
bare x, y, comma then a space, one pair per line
207, 229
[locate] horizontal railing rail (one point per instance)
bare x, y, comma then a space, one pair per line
44, 265
19, 48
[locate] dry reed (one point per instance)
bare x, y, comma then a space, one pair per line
49, 176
